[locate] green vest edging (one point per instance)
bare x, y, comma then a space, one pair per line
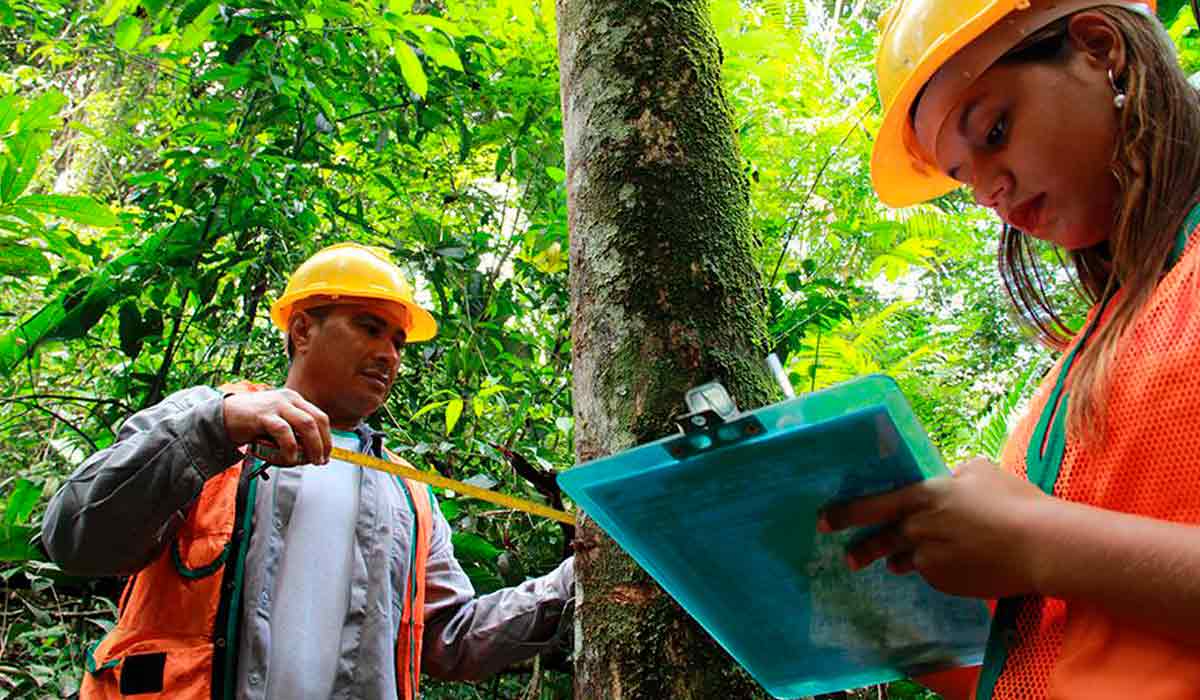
200, 572
233, 619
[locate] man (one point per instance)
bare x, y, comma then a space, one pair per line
321, 579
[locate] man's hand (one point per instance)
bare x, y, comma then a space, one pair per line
972, 534
300, 429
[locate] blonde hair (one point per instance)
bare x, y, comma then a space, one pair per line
1157, 167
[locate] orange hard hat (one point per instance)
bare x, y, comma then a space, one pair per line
922, 40
354, 273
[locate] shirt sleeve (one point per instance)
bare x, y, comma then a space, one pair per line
116, 512
469, 637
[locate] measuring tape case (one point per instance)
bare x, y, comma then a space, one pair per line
724, 518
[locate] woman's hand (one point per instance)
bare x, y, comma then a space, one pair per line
972, 534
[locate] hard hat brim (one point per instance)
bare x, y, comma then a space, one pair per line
421, 324
900, 177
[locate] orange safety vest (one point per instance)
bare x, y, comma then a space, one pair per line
1147, 465
177, 631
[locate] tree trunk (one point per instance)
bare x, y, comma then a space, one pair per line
665, 295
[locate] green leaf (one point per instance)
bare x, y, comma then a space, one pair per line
400, 7
198, 31
23, 260
41, 113
439, 49
15, 543
82, 210
21, 162
454, 411
127, 34
191, 12
450, 508
428, 408
471, 547
491, 390
1168, 10
314, 21
110, 11
556, 174
433, 22
21, 501
411, 70
11, 107
75, 310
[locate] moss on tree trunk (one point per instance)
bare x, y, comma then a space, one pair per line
665, 296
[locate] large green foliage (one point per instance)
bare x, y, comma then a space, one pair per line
166, 163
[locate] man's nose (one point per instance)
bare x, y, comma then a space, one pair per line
387, 352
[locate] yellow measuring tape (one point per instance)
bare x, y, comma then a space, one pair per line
442, 482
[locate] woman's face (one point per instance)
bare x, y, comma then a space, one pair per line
1035, 143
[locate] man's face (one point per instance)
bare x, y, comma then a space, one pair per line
347, 358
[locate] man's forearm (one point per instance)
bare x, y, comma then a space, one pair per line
472, 638
118, 509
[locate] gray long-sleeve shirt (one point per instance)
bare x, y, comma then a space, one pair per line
125, 503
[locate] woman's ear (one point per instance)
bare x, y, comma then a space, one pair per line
1101, 43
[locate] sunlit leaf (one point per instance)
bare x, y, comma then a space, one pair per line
20, 259
21, 500
439, 49
127, 34
410, 68
454, 411
25, 150
83, 210
110, 11
41, 112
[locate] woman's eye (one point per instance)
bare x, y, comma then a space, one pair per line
996, 135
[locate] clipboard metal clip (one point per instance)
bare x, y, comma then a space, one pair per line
709, 405
713, 421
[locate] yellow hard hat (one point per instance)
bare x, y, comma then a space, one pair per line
920, 38
353, 272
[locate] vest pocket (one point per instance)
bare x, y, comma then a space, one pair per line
146, 674
143, 673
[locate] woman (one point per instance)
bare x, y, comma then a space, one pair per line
1072, 120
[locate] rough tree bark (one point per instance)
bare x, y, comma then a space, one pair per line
665, 295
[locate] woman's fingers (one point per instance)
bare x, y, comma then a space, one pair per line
877, 510
886, 543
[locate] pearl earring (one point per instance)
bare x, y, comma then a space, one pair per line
1120, 97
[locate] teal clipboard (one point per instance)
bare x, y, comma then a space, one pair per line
725, 520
